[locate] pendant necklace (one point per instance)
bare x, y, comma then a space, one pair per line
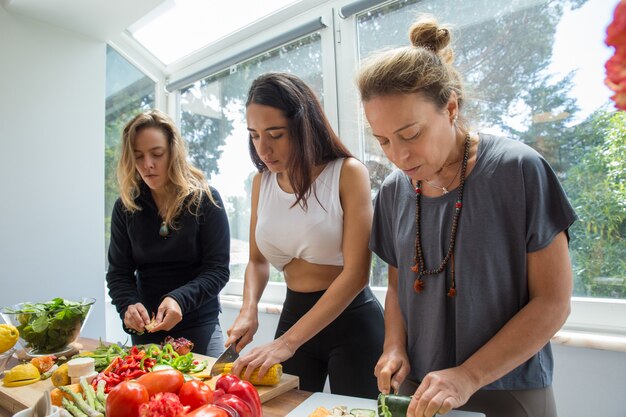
164, 231
419, 267
444, 190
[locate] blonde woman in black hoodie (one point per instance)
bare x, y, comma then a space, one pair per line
170, 240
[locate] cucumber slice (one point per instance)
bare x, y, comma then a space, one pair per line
363, 412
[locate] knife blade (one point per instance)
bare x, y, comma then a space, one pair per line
229, 355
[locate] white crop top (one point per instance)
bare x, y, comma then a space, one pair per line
284, 232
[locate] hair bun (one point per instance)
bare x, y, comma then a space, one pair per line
427, 33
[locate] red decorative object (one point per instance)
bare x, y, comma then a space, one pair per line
616, 65
418, 285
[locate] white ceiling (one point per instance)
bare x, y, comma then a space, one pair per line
98, 19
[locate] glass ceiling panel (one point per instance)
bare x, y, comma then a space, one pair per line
179, 27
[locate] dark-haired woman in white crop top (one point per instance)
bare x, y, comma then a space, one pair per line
311, 218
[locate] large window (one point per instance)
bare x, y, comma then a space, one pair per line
128, 91
534, 71
214, 125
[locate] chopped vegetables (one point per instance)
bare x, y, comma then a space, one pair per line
104, 354
163, 405
44, 363
342, 411
132, 366
181, 345
168, 356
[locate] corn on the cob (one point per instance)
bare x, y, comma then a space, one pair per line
272, 377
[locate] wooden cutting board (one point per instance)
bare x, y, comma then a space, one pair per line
15, 399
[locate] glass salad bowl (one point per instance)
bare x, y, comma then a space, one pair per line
4, 358
48, 328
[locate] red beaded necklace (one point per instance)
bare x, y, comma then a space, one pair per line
419, 267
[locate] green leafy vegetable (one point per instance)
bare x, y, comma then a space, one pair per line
50, 326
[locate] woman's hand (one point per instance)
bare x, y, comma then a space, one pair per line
168, 315
136, 317
263, 357
391, 369
441, 391
243, 330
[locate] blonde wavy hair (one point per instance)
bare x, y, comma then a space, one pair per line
425, 67
187, 184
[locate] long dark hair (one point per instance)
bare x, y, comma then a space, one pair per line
313, 141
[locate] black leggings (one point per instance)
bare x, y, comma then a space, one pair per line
346, 350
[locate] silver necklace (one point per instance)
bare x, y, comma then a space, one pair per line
446, 189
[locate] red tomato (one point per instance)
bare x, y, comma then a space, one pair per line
208, 410
167, 380
195, 393
125, 398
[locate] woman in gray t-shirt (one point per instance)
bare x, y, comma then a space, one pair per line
474, 229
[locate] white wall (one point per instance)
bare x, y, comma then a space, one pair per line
589, 382
51, 165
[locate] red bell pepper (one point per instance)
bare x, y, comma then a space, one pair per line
217, 392
239, 405
225, 381
231, 384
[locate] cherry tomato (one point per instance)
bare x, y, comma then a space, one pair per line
208, 410
167, 380
125, 398
195, 394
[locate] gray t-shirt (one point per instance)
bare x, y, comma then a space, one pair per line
513, 204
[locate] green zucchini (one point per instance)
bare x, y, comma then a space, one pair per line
390, 405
